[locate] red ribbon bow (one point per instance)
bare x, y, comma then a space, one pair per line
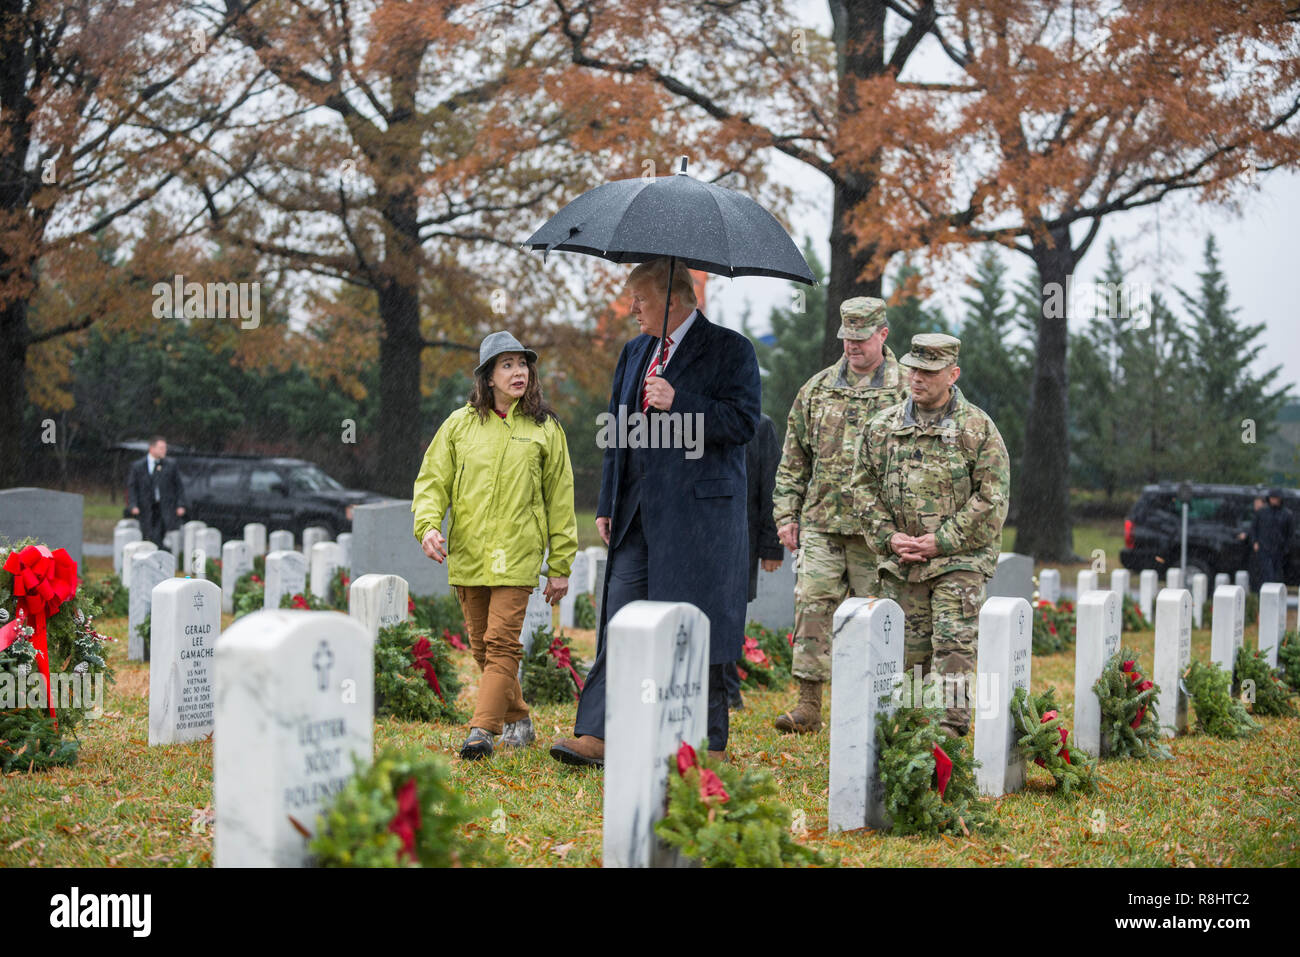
43, 581
407, 819
453, 640
1065, 752
685, 759
942, 768
1143, 685
711, 787
755, 654
560, 652
422, 653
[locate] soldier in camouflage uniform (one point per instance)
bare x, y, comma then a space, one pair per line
932, 488
812, 501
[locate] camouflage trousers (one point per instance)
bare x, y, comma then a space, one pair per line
828, 570
941, 634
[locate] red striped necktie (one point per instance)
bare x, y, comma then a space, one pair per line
653, 370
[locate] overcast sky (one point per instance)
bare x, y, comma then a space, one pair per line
1162, 246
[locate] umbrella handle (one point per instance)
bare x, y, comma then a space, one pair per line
663, 340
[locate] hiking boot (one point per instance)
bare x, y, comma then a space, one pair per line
806, 717
518, 734
477, 745
586, 749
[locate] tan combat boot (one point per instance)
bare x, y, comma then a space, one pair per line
806, 717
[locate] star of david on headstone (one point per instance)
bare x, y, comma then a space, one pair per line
322, 661
198, 601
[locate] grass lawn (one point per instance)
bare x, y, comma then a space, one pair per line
1218, 803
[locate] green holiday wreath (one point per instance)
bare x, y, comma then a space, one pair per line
1132, 618
1218, 713
1288, 659
1263, 686
725, 817
1130, 726
766, 658
550, 673
404, 810
415, 679
584, 611
1054, 627
1043, 738
929, 777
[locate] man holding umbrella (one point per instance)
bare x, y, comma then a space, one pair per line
675, 524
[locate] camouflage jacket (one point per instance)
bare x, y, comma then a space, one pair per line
951, 478
821, 445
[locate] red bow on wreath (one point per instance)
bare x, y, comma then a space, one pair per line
454, 640
942, 768
422, 653
1064, 752
407, 819
43, 581
560, 652
1130, 668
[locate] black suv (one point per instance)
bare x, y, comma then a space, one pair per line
1217, 515
229, 491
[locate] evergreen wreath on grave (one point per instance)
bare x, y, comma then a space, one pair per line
1044, 739
404, 810
305, 601
1130, 726
46, 627
415, 679
929, 777
339, 584
1218, 713
766, 658
1288, 659
1251, 612
725, 817
1272, 696
550, 674
1132, 618
437, 614
212, 570
584, 611
144, 631
1054, 627
109, 594
259, 566
250, 594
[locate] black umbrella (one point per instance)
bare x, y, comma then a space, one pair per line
704, 226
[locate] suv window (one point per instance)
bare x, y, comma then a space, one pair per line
308, 478
1200, 508
225, 478
261, 480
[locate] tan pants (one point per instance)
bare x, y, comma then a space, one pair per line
494, 617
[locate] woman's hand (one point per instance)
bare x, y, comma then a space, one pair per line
435, 546
556, 588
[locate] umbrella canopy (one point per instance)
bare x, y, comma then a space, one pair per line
704, 226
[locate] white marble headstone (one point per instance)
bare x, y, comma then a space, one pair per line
1005, 657
185, 626
281, 540
345, 543
1228, 625
1200, 584
1174, 578
174, 541
294, 704
207, 547
378, 601
657, 666
1272, 619
147, 571
867, 654
123, 537
128, 523
326, 558
129, 553
537, 615
1221, 579
1087, 581
598, 592
1119, 584
1049, 585
1098, 632
1173, 655
236, 562
189, 534
1242, 580
592, 552
311, 535
1148, 585
578, 577
255, 538
286, 574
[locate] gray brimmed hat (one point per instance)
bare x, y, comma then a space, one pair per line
932, 351
497, 343
861, 317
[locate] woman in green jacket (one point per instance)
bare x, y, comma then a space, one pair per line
502, 465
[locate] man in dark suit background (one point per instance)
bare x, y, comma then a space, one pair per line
660, 510
155, 493
762, 456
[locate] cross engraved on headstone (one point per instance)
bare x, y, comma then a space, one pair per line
322, 661
1022, 621
683, 642
887, 626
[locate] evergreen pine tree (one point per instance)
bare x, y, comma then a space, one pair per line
909, 315
1226, 397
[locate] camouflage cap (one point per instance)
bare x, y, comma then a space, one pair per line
932, 351
861, 317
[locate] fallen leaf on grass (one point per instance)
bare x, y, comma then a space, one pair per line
562, 850
18, 843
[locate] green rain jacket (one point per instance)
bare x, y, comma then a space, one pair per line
509, 483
